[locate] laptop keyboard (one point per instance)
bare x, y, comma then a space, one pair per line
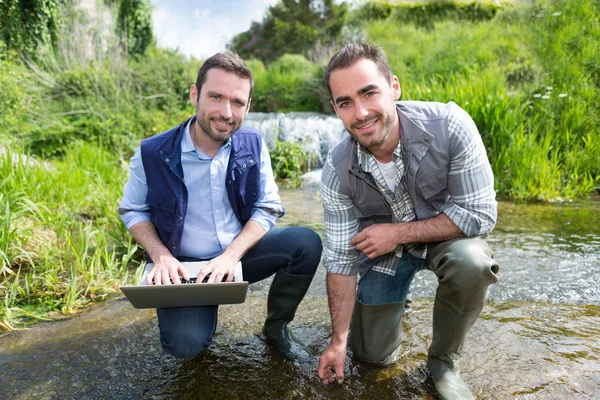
193, 280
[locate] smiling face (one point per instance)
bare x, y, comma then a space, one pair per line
221, 105
365, 102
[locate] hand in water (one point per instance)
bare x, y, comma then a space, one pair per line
331, 364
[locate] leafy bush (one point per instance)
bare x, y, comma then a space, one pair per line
290, 83
426, 14
289, 161
164, 77
373, 11
111, 103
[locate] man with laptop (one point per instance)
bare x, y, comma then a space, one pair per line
204, 191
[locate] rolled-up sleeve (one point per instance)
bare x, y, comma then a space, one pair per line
341, 225
472, 205
267, 208
133, 208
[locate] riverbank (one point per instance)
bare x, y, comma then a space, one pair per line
515, 350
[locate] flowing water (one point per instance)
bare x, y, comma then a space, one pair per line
537, 338
317, 133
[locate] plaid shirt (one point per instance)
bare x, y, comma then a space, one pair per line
472, 206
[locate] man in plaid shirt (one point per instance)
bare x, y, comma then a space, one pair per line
411, 188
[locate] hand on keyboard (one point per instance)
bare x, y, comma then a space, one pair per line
193, 280
208, 276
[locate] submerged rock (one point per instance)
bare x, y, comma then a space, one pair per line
112, 351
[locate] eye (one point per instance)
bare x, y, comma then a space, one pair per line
216, 97
238, 103
369, 94
344, 104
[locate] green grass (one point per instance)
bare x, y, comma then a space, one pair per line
62, 244
529, 77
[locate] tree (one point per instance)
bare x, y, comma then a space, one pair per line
293, 27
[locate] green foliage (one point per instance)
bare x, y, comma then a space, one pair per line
289, 161
293, 27
62, 244
135, 21
134, 24
527, 77
426, 14
13, 95
30, 26
33, 27
164, 77
111, 103
290, 83
106, 99
373, 11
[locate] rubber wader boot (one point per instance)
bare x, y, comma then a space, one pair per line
285, 294
450, 328
376, 332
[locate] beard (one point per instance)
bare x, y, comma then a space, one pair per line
373, 138
217, 135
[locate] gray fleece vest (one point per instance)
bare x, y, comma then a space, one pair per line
426, 157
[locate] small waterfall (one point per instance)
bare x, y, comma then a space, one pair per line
317, 133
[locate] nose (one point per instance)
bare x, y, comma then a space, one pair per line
225, 110
360, 111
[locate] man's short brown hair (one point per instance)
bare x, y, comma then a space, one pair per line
354, 52
228, 62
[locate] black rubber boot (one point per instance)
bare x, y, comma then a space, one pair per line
285, 294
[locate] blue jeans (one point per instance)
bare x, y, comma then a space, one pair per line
378, 288
187, 331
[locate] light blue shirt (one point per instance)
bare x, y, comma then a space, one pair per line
210, 224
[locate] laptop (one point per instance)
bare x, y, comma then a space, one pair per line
187, 294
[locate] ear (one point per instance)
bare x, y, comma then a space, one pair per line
396, 89
248, 106
194, 95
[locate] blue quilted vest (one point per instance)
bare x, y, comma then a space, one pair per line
167, 195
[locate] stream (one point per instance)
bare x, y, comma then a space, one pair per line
537, 337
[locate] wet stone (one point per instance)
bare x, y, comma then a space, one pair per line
113, 351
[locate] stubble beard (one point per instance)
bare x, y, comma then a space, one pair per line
371, 140
204, 124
